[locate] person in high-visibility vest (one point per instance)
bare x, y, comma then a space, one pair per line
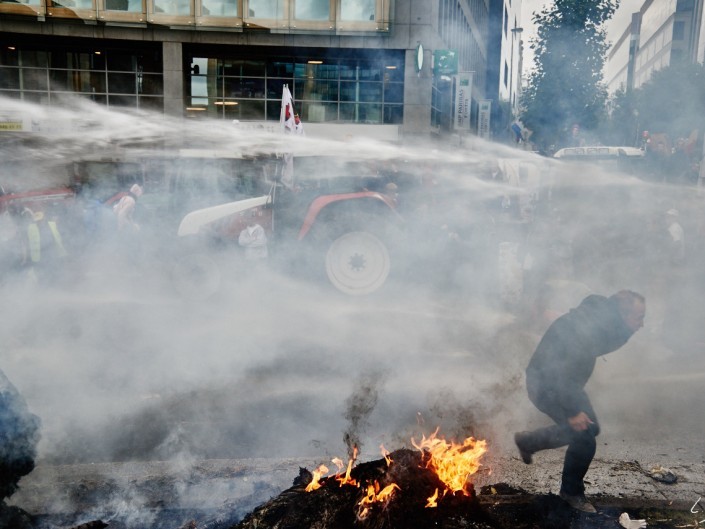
45, 247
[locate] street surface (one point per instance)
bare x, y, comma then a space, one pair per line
285, 371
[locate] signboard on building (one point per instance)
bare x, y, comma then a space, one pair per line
445, 62
483, 119
11, 120
462, 101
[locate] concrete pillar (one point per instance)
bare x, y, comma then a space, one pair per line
172, 55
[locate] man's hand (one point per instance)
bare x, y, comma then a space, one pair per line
580, 422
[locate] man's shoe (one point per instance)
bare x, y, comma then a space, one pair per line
578, 502
520, 441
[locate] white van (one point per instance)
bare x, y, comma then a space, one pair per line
622, 159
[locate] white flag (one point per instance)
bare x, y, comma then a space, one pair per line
286, 117
290, 123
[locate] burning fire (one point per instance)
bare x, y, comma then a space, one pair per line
375, 495
315, 482
346, 480
433, 500
453, 463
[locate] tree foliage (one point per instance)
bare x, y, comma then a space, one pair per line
671, 102
566, 86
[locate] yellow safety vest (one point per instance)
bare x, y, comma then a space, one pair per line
34, 238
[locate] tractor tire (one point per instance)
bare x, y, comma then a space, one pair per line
357, 263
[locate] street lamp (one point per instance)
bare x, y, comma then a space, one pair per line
512, 93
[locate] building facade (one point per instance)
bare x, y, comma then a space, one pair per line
662, 33
346, 62
511, 53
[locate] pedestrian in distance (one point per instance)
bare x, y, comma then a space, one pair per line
128, 253
556, 376
44, 251
254, 240
125, 209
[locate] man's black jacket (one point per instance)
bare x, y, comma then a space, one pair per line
565, 357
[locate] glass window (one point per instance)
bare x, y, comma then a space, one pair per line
152, 84
247, 68
150, 61
320, 90
12, 94
73, 4
312, 10
243, 87
280, 69
215, 8
316, 71
97, 82
60, 80
9, 57
275, 87
393, 73
35, 97
34, 58
319, 112
266, 8
121, 61
359, 113
122, 101
9, 78
172, 7
25, 2
122, 83
133, 6
273, 109
244, 109
393, 93
357, 10
76, 81
360, 92
393, 114
360, 70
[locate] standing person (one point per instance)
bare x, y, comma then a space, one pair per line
125, 208
676, 249
44, 250
557, 373
254, 240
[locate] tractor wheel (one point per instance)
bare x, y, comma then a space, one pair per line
357, 263
196, 276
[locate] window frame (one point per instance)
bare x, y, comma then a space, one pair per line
117, 15
58, 11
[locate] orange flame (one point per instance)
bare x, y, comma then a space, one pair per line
345, 480
316, 478
375, 495
453, 463
432, 501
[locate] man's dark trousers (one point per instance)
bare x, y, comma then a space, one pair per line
581, 445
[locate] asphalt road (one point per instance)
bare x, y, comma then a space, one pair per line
149, 399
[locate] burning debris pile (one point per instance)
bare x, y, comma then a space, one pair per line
427, 487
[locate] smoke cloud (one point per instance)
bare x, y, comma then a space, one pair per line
492, 242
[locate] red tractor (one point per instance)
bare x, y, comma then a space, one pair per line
343, 229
